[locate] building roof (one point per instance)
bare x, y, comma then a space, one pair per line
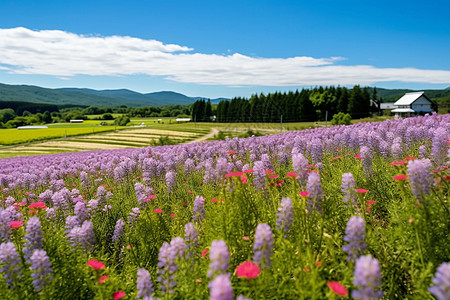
409, 98
402, 110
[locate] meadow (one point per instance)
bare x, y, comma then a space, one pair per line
355, 211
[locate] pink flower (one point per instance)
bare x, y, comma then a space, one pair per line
292, 174
157, 210
269, 172
189, 192
231, 152
248, 270
338, 288
274, 176
150, 197
370, 202
102, 279
400, 177
304, 194
248, 171
172, 215
244, 179
410, 158
15, 224
118, 295
204, 252
234, 174
37, 205
358, 156
362, 191
95, 264
216, 200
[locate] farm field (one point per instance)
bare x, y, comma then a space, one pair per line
67, 137
355, 211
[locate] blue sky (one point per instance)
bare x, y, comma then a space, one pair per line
224, 48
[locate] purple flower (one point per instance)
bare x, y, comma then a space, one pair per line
441, 280
285, 215
366, 156
348, 188
189, 166
167, 268
439, 146
420, 177
259, 173
199, 209
220, 288
316, 150
367, 278
314, 188
144, 285
134, 215
51, 215
82, 236
262, 249
191, 235
84, 179
300, 163
171, 178
118, 230
61, 199
423, 152
219, 256
81, 211
355, 236
71, 222
33, 237
178, 247
10, 260
41, 269
141, 196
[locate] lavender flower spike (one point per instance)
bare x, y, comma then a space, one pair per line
367, 278
191, 235
314, 188
285, 215
199, 209
355, 236
33, 236
118, 230
420, 177
10, 260
348, 188
144, 285
219, 256
441, 289
82, 236
262, 249
41, 267
220, 288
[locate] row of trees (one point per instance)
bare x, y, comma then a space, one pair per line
300, 106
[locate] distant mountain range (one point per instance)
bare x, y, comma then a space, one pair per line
113, 98
90, 97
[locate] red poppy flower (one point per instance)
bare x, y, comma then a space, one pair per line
15, 224
102, 279
400, 177
338, 288
362, 191
118, 295
248, 270
95, 264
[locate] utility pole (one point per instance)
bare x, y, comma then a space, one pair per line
326, 118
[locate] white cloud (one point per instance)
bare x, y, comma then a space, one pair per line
64, 54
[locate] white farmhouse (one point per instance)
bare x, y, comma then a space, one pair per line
416, 103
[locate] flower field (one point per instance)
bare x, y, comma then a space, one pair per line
355, 211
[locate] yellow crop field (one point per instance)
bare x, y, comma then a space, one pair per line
17, 136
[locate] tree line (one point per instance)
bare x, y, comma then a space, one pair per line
307, 105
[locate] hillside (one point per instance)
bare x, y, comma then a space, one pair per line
88, 97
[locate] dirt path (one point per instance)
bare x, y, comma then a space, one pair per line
211, 134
